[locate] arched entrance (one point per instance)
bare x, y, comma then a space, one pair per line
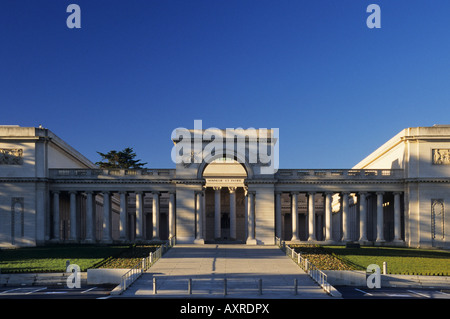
225, 218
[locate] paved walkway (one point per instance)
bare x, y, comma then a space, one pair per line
208, 265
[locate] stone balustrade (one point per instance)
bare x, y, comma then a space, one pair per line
339, 174
281, 174
111, 173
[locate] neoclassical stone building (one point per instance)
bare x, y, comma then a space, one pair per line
50, 193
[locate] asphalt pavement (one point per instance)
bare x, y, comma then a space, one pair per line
60, 292
349, 292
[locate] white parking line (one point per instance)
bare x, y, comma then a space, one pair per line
364, 292
418, 293
36, 290
55, 292
8, 291
22, 291
88, 290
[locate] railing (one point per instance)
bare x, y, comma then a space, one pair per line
316, 274
105, 173
339, 173
199, 287
62, 173
135, 272
215, 286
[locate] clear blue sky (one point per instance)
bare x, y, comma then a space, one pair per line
138, 69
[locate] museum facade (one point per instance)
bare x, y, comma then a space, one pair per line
50, 193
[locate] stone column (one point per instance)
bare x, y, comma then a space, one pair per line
42, 221
204, 211
56, 218
311, 217
380, 222
106, 218
155, 215
328, 217
251, 240
362, 217
232, 212
246, 211
139, 216
90, 235
278, 214
345, 219
123, 215
171, 215
199, 220
73, 216
294, 209
217, 213
397, 219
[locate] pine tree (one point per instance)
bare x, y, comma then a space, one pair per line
124, 159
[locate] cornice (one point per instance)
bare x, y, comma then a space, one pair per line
23, 180
427, 180
336, 182
426, 138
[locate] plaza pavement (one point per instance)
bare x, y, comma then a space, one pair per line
243, 266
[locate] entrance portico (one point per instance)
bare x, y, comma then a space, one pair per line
225, 193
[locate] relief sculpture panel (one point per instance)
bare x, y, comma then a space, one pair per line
441, 156
11, 156
437, 219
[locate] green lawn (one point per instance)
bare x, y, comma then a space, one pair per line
53, 258
405, 261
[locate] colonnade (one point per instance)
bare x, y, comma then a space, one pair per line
90, 231
328, 199
90, 234
249, 213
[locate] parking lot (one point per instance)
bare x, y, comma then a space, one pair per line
393, 293
41, 292
102, 292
